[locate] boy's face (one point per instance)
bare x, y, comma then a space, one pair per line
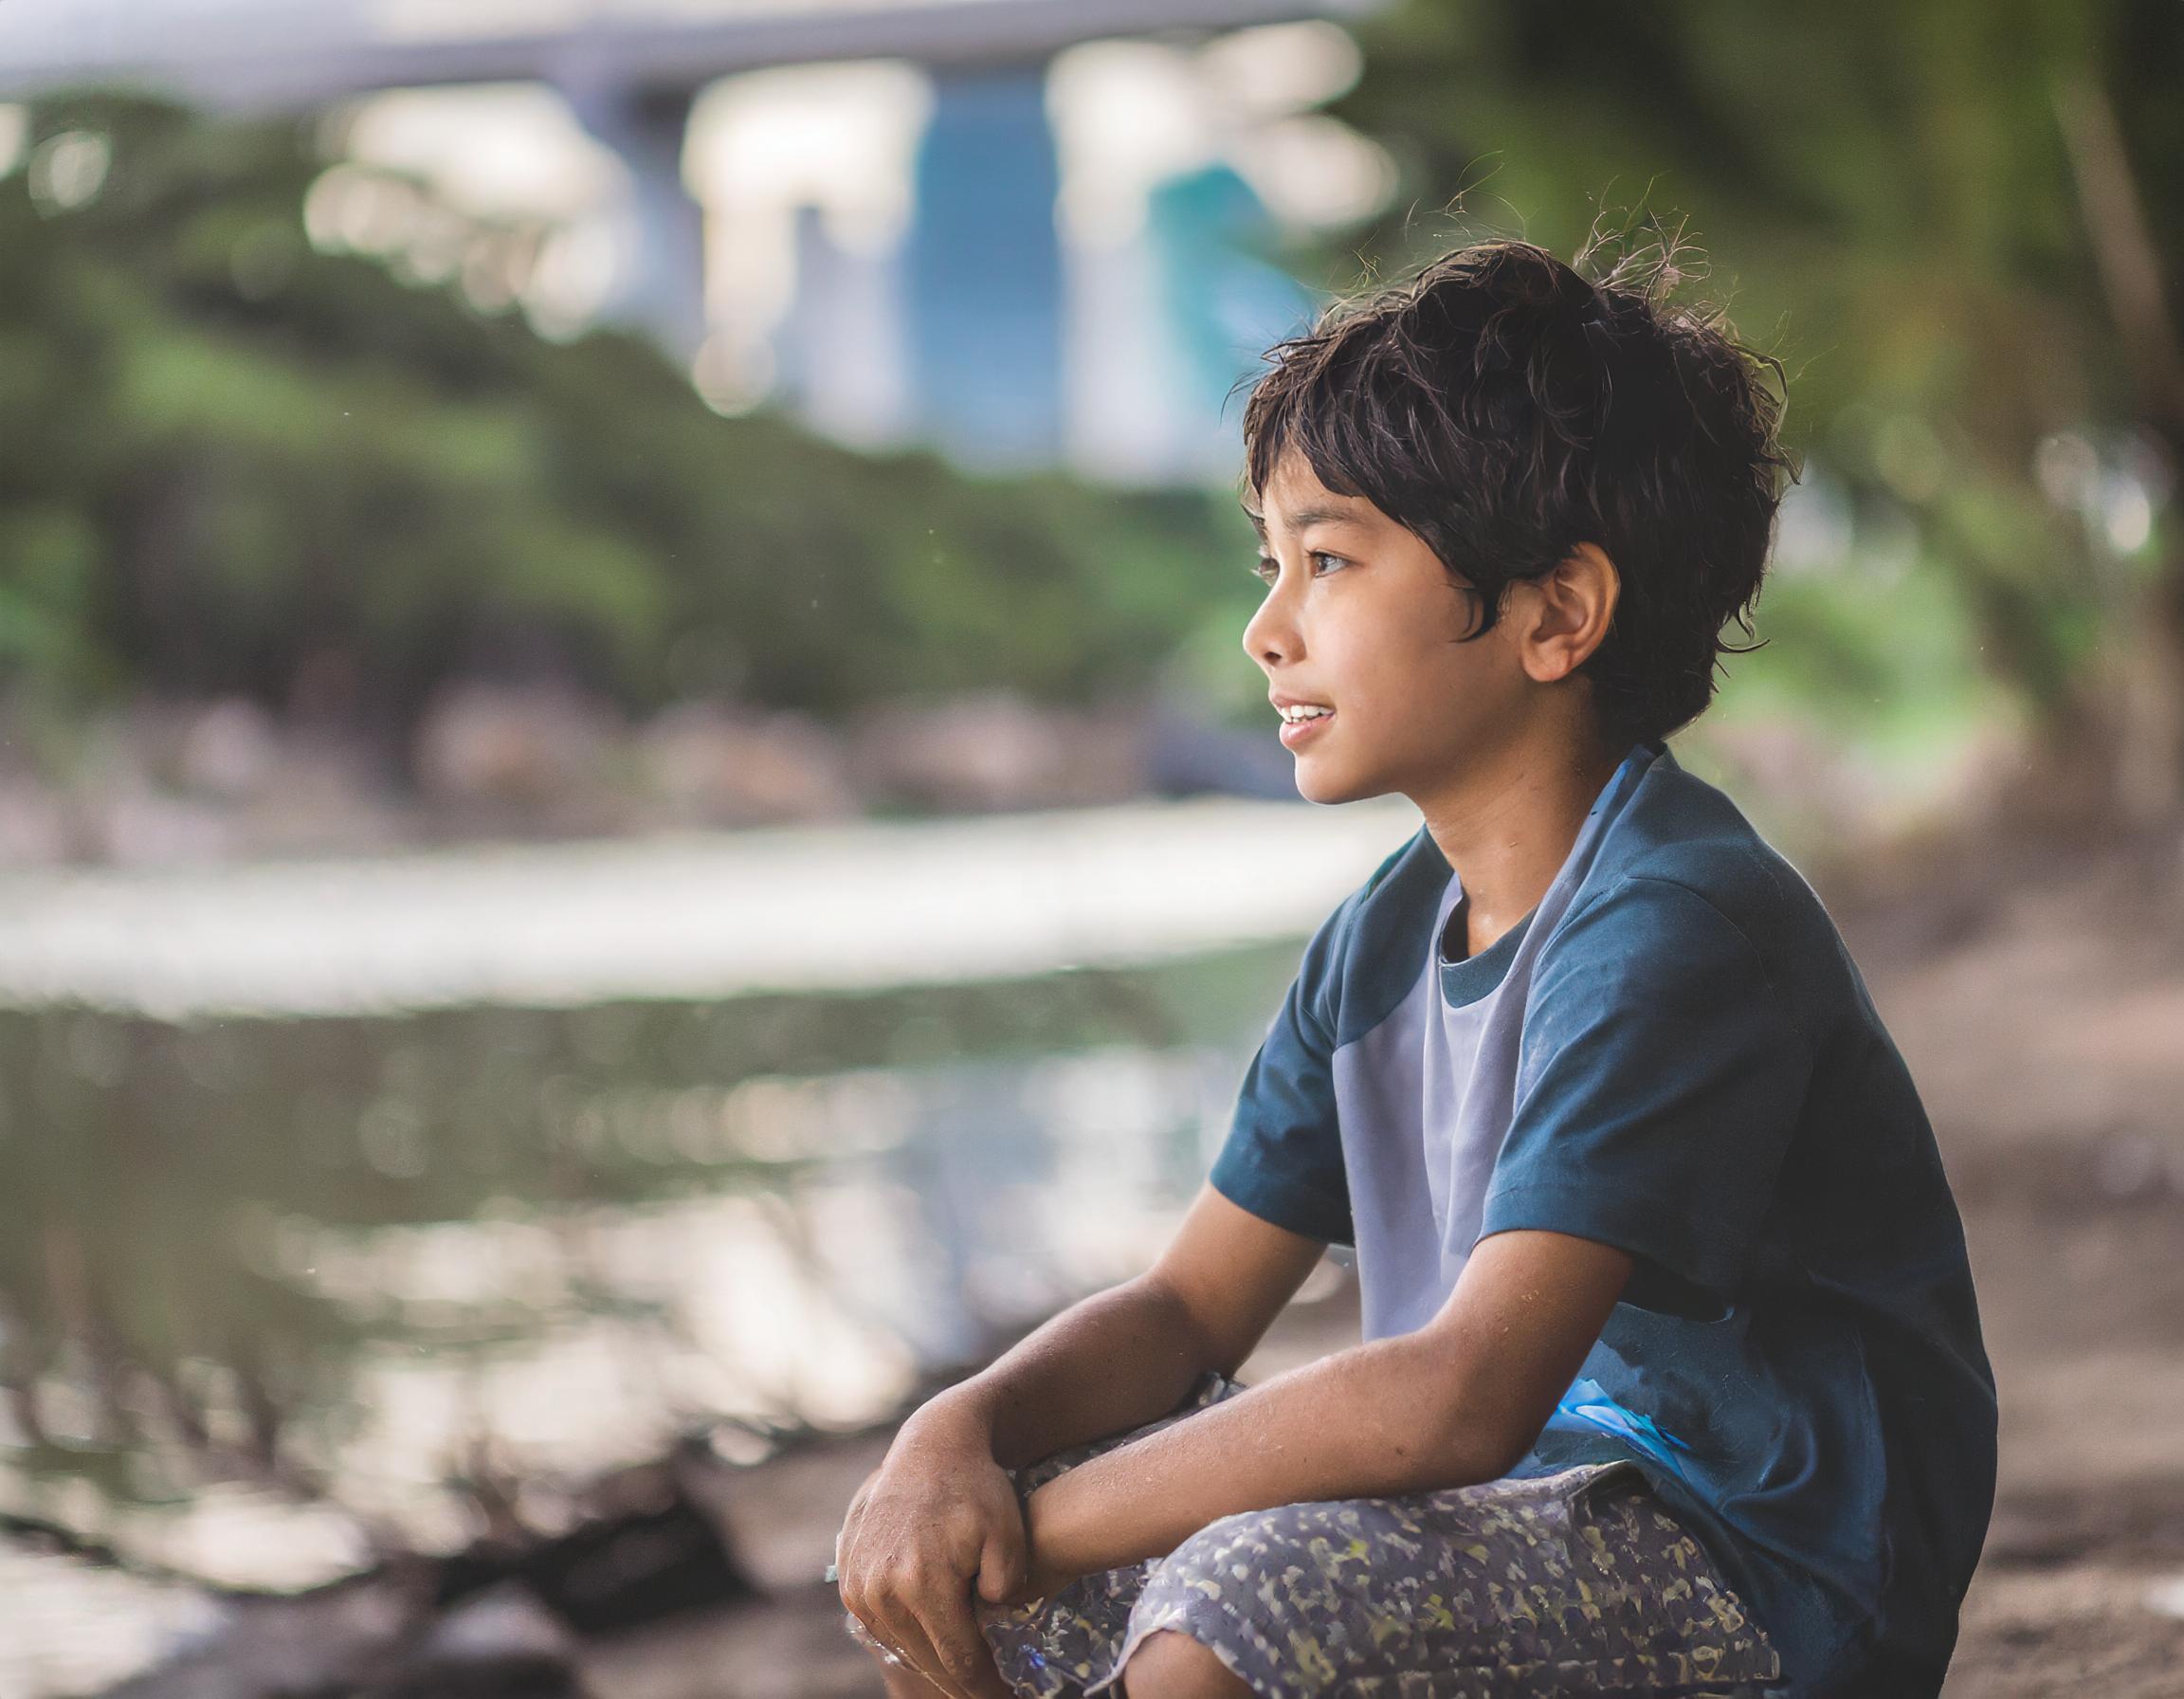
1361, 617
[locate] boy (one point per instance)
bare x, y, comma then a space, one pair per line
1672, 1379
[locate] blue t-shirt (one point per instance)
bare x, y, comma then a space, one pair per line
1673, 1053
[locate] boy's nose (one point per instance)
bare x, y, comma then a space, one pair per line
1270, 636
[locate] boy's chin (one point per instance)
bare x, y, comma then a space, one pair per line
1321, 785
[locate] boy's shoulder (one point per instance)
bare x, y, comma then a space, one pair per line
1686, 889
1675, 827
1681, 839
1678, 848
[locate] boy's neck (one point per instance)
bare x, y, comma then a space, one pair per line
1507, 828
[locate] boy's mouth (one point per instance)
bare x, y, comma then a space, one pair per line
1300, 724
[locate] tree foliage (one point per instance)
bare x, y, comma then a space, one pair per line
1896, 207
238, 464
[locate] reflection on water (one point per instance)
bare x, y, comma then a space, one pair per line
271, 1289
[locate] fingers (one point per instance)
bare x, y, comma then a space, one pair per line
881, 1605
917, 1656
917, 1627
929, 1624
911, 1679
958, 1647
1002, 1563
912, 1566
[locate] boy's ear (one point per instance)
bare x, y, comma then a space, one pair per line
1567, 611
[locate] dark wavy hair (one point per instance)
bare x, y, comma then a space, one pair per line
1505, 408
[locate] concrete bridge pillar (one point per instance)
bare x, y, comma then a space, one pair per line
983, 270
661, 287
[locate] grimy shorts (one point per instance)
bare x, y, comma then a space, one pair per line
1576, 1582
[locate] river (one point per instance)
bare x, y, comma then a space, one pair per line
328, 1190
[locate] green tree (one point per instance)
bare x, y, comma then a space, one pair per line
238, 464
1944, 216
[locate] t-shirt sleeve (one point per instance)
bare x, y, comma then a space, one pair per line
1660, 1080
1282, 1157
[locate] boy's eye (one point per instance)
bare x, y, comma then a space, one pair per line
1266, 570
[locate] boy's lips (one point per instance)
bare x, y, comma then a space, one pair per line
1297, 732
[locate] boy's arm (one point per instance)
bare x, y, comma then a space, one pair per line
938, 1518
1458, 1402
1666, 1073
1131, 1354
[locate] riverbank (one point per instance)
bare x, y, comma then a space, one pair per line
786, 908
2036, 989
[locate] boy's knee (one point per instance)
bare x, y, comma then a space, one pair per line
1169, 1664
1263, 1542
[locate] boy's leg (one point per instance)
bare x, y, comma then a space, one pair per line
1573, 1583
1171, 1665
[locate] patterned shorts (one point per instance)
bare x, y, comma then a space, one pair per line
1579, 1582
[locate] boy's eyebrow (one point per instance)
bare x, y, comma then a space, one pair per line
1305, 517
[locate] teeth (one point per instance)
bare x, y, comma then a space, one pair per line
1293, 715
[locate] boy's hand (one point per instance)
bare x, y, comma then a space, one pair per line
1045, 1570
936, 1521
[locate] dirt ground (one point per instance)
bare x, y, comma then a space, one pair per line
2038, 996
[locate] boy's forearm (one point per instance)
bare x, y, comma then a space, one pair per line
1380, 1419
1110, 1362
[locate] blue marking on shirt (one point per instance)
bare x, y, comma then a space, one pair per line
1585, 1408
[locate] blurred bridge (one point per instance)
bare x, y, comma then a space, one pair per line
983, 263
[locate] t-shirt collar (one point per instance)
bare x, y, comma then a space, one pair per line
1476, 977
